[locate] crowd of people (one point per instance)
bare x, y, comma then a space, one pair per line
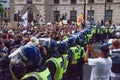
53, 52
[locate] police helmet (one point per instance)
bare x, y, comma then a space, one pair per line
77, 42
29, 54
87, 31
53, 44
84, 33
71, 41
62, 48
81, 36
81, 42
48, 43
45, 42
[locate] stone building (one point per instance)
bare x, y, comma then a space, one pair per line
51, 10
6, 14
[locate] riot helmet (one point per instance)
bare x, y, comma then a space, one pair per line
71, 41
77, 42
29, 54
49, 43
81, 42
62, 47
24, 59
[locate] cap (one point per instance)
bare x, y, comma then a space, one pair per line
105, 48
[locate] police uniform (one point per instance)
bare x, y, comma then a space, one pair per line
72, 71
55, 65
80, 62
38, 75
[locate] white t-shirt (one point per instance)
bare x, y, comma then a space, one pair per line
101, 68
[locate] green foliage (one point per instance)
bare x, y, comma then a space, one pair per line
1, 8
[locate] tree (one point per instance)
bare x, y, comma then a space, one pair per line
1, 8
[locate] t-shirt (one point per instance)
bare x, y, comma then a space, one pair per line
114, 74
101, 68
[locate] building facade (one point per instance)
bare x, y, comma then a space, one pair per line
6, 14
53, 10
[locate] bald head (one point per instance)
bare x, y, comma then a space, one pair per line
116, 43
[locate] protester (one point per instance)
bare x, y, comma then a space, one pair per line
115, 55
3, 49
101, 63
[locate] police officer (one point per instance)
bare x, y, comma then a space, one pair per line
62, 49
79, 44
26, 64
73, 53
54, 60
85, 38
97, 33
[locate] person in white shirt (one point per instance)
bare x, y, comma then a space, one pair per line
101, 63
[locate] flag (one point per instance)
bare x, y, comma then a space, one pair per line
24, 17
60, 23
79, 19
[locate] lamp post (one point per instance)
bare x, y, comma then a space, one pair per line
18, 18
84, 12
105, 13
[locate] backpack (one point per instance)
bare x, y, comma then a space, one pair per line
115, 61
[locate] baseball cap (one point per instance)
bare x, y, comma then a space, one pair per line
105, 48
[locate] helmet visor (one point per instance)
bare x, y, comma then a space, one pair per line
17, 56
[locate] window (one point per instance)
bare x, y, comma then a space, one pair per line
109, 1
56, 1
90, 1
56, 15
30, 15
90, 15
29, 1
3, 1
108, 14
2, 14
73, 15
73, 1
